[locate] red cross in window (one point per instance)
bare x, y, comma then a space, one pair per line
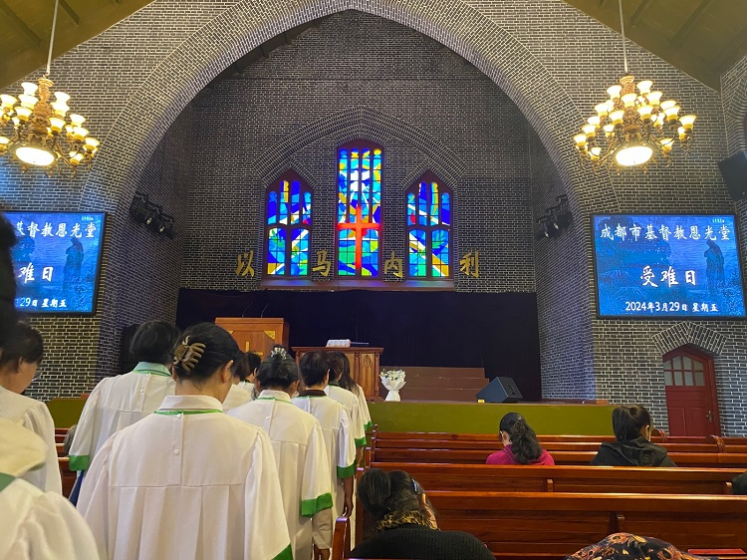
361, 228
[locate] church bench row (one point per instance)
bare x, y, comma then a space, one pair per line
533, 478
425, 455
555, 524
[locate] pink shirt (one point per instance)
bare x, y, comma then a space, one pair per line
506, 457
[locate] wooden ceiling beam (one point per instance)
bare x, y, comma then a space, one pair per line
70, 12
723, 60
689, 25
32, 38
640, 11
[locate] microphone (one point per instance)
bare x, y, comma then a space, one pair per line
261, 315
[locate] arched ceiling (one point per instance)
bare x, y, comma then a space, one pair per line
700, 37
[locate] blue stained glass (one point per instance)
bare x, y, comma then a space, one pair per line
276, 251
284, 200
307, 207
376, 187
440, 252
423, 204
295, 203
272, 208
434, 204
299, 252
370, 253
446, 209
411, 210
417, 253
346, 250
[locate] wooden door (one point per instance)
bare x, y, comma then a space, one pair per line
690, 385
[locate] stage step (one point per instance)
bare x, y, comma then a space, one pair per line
440, 383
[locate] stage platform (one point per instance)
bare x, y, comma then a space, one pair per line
476, 418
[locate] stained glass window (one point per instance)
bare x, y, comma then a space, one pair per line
358, 209
429, 228
288, 228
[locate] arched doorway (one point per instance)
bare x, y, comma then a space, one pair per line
690, 386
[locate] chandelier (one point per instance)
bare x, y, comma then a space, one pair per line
633, 127
39, 132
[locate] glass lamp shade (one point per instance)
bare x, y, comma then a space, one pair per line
32, 155
630, 156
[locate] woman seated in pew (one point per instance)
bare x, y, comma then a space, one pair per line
19, 359
624, 546
632, 426
520, 445
189, 482
739, 485
405, 522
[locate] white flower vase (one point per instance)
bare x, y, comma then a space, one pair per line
393, 386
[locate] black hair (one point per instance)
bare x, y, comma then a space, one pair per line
240, 367
8, 316
204, 348
739, 485
339, 366
629, 420
384, 493
154, 342
253, 362
524, 445
24, 343
279, 370
314, 367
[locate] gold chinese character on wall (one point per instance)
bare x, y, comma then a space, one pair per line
393, 265
469, 264
323, 264
244, 264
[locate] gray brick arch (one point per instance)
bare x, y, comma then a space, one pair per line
690, 333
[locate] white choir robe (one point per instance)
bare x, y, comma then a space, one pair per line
187, 482
338, 438
363, 403
236, 397
303, 466
35, 525
34, 415
352, 405
115, 403
249, 387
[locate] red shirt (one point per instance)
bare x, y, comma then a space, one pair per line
506, 457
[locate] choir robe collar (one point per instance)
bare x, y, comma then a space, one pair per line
152, 369
189, 403
21, 450
270, 394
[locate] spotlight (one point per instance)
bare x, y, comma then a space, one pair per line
166, 226
153, 219
139, 207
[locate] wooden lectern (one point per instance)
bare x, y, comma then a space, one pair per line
364, 365
256, 335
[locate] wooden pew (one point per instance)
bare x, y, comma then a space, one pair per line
423, 455
511, 478
68, 476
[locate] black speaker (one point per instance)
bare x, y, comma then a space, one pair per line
734, 172
500, 390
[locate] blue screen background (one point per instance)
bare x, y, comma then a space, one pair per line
633, 275
65, 260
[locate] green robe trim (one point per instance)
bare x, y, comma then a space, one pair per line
5, 480
309, 508
80, 462
346, 472
287, 554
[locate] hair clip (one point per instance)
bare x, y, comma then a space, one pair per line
187, 355
279, 350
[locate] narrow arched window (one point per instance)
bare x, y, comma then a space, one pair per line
288, 226
359, 209
429, 204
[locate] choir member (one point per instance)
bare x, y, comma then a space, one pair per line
253, 362
337, 363
335, 423
36, 525
118, 402
633, 448
520, 445
189, 482
238, 395
406, 525
19, 359
347, 382
300, 455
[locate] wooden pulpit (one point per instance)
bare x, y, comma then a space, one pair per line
256, 334
364, 365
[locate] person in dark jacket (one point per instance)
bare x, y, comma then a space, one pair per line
739, 485
633, 447
406, 523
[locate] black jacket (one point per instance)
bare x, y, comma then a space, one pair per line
637, 452
416, 541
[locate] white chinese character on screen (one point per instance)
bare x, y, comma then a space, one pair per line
47, 230
650, 234
724, 231
33, 229
76, 231
635, 232
621, 232
695, 307
714, 308
606, 232
19, 228
47, 273
90, 228
690, 277
679, 233
63, 303
62, 230
664, 231
45, 303
53, 303
669, 277
27, 273
647, 277
704, 307
709, 234
684, 307
694, 233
